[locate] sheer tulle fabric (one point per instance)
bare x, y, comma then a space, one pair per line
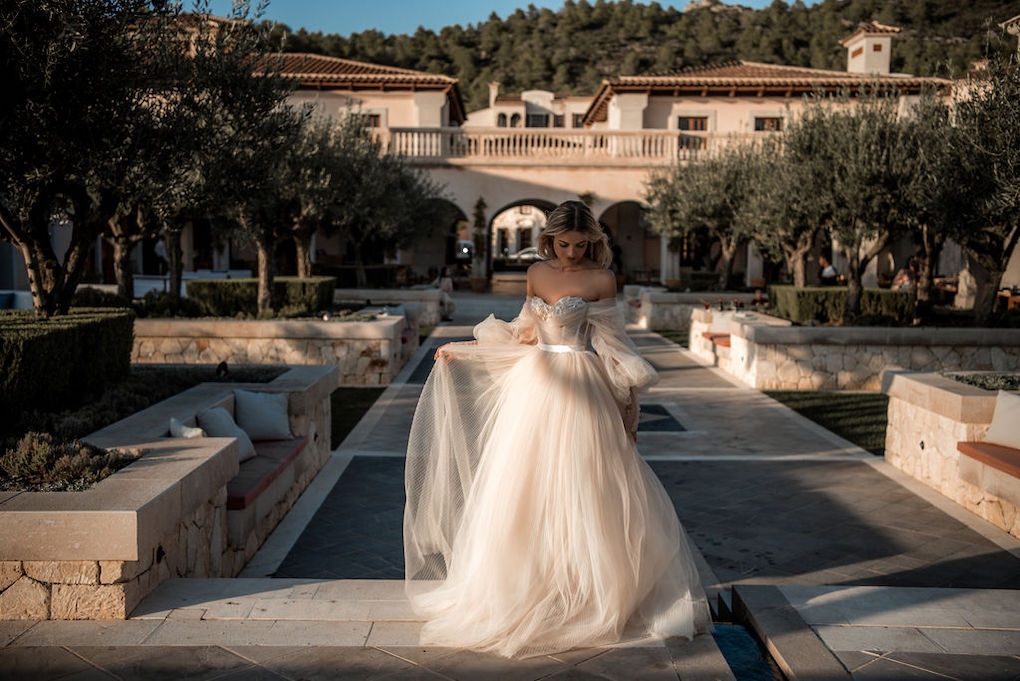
532, 525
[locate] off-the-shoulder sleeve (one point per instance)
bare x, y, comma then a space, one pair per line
624, 365
521, 329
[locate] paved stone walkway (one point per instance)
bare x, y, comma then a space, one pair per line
804, 524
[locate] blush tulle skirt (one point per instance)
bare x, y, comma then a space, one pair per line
533, 525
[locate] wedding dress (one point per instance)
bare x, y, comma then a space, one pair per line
532, 525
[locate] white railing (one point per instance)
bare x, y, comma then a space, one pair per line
597, 147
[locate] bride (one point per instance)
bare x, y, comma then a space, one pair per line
532, 525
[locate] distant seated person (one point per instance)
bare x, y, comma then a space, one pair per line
906, 278
828, 274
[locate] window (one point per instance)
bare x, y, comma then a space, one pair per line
537, 121
877, 47
524, 210
557, 121
372, 120
578, 118
501, 120
515, 121
856, 53
525, 239
768, 123
693, 123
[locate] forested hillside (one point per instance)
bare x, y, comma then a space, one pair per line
571, 50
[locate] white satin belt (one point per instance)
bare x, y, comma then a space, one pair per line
560, 348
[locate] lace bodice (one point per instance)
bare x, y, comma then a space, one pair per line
564, 322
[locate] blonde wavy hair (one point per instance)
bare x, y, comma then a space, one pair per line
574, 216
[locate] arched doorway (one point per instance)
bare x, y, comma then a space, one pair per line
513, 233
636, 250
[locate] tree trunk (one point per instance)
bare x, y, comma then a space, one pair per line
361, 277
931, 246
43, 276
174, 260
727, 252
265, 274
856, 264
796, 257
122, 266
855, 289
799, 269
303, 249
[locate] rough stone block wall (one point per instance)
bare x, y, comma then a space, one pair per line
360, 362
922, 444
103, 589
859, 367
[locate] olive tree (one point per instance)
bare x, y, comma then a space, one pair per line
78, 89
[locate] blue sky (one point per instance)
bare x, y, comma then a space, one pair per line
398, 16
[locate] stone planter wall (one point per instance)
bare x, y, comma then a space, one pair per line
663, 310
422, 305
95, 554
928, 415
365, 353
770, 354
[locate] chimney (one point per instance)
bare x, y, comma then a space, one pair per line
493, 93
868, 48
1013, 26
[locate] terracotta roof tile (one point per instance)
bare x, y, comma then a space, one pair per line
745, 77
320, 71
870, 28
317, 67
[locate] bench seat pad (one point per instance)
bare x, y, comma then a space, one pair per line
273, 457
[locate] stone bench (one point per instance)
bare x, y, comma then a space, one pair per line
95, 554
423, 305
994, 469
934, 432
719, 339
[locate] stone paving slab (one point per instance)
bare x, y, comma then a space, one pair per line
826, 522
935, 637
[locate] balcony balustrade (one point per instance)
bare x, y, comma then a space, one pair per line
428, 146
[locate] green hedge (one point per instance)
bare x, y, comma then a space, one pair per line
696, 280
52, 363
823, 304
239, 297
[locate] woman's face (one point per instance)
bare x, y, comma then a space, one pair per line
570, 247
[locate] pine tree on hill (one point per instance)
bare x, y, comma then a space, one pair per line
572, 49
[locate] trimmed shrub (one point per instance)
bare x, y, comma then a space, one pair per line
161, 304
239, 297
696, 280
86, 296
825, 304
51, 363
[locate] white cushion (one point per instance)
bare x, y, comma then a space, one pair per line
219, 423
1005, 428
262, 415
178, 429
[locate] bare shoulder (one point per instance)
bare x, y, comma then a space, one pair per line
604, 281
538, 268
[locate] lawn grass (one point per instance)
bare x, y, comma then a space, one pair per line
348, 406
677, 336
861, 418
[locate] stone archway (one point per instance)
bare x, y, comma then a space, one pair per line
515, 226
636, 250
